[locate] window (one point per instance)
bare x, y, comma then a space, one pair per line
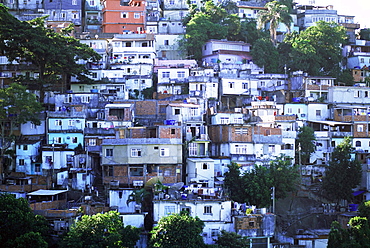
68, 99
136, 15
356, 93
74, 140
32, 126
193, 111
57, 140
49, 159
74, 16
362, 60
94, 75
172, 2
25, 147
241, 149
231, 85
109, 152
360, 128
167, 173
62, 15
168, 210
205, 166
164, 152
92, 2
290, 110
366, 93
166, 42
71, 123
318, 112
177, 111
136, 172
37, 168
85, 99
238, 120
358, 143
92, 142
21, 162
166, 74
58, 122
271, 148
207, 210
173, 131
74, 2
224, 120
135, 152
241, 130
214, 232
193, 149
180, 74
110, 171
263, 84
124, 15
245, 86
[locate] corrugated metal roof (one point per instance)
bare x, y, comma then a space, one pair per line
47, 192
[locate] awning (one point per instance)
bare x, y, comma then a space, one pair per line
359, 192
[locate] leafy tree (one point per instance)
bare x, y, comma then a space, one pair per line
266, 55
356, 236
345, 76
258, 185
364, 34
283, 175
364, 209
208, 22
178, 231
275, 14
249, 32
254, 187
18, 224
234, 183
231, 239
305, 145
316, 50
100, 231
17, 107
54, 54
343, 173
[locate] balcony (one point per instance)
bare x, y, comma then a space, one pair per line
340, 134
99, 131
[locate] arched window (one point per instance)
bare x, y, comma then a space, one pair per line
358, 143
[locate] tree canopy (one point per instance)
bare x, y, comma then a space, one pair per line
18, 106
19, 226
231, 239
305, 145
100, 231
254, 187
208, 22
316, 50
54, 54
178, 231
274, 14
343, 173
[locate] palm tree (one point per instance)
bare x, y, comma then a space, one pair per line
274, 14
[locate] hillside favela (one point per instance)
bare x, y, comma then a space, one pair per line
183, 124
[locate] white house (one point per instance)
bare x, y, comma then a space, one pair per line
200, 170
216, 214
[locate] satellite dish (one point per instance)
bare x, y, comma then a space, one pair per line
150, 183
177, 186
